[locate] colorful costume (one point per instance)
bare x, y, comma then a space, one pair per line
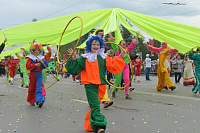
188, 75
47, 57
23, 69
35, 77
12, 65
93, 67
163, 70
125, 73
196, 58
158, 50
137, 63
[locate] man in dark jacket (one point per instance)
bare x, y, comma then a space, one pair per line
2, 46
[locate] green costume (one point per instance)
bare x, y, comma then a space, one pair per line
23, 68
196, 58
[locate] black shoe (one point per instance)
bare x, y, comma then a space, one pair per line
166, 88
40, 104
22, 85
26, 86
173, 88
131, 89
32, 104
11, 83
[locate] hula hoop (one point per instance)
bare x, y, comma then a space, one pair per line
130, 64
76, 42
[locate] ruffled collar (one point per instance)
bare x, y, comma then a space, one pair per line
34, 58
92, 57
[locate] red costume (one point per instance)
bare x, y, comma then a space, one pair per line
12, 65
137, 63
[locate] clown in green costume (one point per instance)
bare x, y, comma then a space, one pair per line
23, 66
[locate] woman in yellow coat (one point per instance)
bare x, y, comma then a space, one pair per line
163, 69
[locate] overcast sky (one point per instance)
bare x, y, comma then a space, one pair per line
15, 12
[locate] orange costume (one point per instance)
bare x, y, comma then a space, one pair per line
163, 69
92, 67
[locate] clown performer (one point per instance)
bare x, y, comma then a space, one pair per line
23, 69
2, 45
93, 66
7, 70
12, 65
158, 50
47, 57
196, 60
35, 66
137, 63
125, 72
188, 75
106, 100
163, 70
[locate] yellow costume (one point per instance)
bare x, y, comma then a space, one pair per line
163, 69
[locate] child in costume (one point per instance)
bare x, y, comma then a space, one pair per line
35, 67
12, 65
106, 100
163, 70
196, 60
93, 66
137, 63
47, 57
23, 66
188, 75
7, 71
125, 73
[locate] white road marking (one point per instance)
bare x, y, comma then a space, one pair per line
166, 95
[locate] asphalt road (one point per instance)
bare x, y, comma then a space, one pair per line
66, 105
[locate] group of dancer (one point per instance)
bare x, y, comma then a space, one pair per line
93, 66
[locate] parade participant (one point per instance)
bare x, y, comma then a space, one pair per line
148, 67
47, 57
137, 63
92, 66
35, 67
178, 71
163, 70
2, 45
125, 72
12, 65
7, 71
106, 100
196, 60
23, 69
188, 75
158, 50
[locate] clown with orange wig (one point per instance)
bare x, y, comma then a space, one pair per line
35, 67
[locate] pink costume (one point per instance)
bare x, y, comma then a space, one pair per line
158, 50
125, 72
